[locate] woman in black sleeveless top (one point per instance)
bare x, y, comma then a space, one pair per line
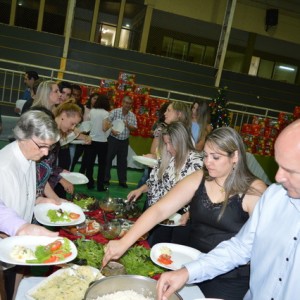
221, 198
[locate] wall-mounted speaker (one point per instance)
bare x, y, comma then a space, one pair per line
271, 17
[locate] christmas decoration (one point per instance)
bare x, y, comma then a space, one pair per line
219, 111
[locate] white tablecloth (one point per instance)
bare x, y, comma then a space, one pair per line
188, 292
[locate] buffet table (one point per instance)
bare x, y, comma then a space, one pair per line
188, 292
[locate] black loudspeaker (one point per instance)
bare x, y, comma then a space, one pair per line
271, 17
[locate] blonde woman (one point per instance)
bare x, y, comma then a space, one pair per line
47, 95
177, 159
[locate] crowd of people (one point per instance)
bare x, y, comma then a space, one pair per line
247, 233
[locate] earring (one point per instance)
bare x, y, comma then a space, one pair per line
233, 166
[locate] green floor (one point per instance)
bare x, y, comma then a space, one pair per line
115, 191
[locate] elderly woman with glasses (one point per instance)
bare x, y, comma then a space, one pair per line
35, 134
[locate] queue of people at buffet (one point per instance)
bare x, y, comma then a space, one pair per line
248, 234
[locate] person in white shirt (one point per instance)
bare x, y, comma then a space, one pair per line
35, 134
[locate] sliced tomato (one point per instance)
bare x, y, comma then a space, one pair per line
55, 246
62, 253
165, 259
74, 216
67, 254
90, 226
51, 259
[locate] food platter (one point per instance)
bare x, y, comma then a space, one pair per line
179, 255
89, 228
41, 214
7, 246
150, 162
75, 274
74, 177
172, 221
86, 202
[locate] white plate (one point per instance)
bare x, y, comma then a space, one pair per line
74, 177
175, 218
85, 126
28, 241
69, 138
118, 125
41, 210
78, 142
61, 272
180, 255
150, 162
20, 103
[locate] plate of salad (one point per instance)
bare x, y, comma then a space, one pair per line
65, 214
37, 250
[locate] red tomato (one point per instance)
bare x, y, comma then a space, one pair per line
55, 246
67, 254
51, 259
73, 215
165, 259
90, 226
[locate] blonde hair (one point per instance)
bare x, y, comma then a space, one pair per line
43, 94
181, 140
70, 109
239, 180
184, 112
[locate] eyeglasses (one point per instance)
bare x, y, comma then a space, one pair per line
44, 146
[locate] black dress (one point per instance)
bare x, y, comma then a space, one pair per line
207, 231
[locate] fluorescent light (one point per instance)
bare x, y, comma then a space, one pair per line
286, 68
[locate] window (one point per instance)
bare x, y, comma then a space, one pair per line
5, 11
265, 69
234, 61
285, 73
27, 14
209, 56
196, 53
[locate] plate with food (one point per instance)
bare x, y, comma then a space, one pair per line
37, 250
74, 177
71, 282
172, 221
65, 214
88, 228
147, 161
173, 256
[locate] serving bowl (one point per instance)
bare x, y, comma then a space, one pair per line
111, 230
110, 205
140, 284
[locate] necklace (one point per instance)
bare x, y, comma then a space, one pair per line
221, 187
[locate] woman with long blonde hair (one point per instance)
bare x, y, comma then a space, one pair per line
47, 95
